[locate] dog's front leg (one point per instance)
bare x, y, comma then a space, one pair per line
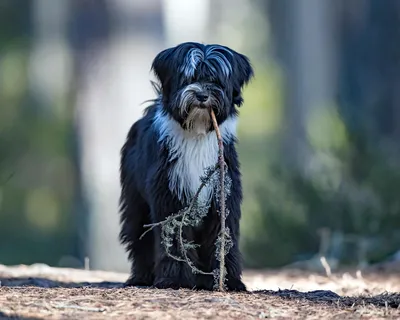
233, 260
233, 263
170, 273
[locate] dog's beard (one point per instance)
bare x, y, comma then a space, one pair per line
196, 115
198, 121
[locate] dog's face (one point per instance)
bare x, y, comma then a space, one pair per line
195, 77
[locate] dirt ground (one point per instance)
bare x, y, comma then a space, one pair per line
42, 292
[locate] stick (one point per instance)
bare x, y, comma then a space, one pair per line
221, 163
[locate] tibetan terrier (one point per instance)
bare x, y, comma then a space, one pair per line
164, 156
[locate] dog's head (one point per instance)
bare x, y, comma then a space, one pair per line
195, 77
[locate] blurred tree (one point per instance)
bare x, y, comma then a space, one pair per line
370, 70
89, 28
114, 42
369, 79
349, 152
304, 45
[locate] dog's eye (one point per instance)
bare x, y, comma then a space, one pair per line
185, 82
221, 85
189, 80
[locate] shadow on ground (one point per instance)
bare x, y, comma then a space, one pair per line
386, 300
3, 316
47, 283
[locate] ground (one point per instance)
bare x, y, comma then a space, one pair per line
42, 292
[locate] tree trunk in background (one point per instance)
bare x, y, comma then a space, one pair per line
50, 51
186, 21
114, 65
370, 71
303, 39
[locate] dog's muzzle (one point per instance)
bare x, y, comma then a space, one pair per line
202, 97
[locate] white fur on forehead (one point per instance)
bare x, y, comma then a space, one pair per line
196, 55
192, 153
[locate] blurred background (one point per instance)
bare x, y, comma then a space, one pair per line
319, 131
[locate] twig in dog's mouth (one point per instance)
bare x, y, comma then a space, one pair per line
221, 164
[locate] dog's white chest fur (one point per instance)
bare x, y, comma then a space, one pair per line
192, 153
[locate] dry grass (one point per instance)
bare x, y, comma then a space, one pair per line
41, 292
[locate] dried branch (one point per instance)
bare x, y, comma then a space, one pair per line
221, 164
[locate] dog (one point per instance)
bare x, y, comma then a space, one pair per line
164, 156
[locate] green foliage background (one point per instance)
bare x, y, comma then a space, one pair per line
36, 171
354, 191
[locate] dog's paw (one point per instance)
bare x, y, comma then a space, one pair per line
138, 282
172, 283
204, 282
235, 285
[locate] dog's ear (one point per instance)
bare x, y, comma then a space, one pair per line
162, 65
243, 72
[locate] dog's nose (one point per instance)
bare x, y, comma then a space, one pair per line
201, 96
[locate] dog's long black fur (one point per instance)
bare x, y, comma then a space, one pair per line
192, 78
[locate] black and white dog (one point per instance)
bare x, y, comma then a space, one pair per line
165, 154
